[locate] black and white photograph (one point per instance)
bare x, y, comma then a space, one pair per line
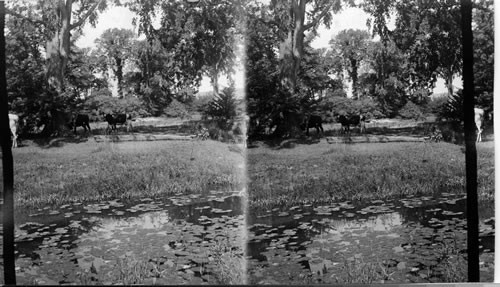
247, 142
129, 142
356, 153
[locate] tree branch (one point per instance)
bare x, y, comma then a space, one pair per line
316, 21
84, 17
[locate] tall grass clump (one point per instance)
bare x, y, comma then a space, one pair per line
355, 270
230, 264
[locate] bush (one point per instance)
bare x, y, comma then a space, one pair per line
102, 102
411, 111
437, 103
335, 106
200, 103
222, 107
176, 109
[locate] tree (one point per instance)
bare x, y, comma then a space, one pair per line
114, 45
199, 37
9, 258
470, 142
427, 32
293, 15
262, 68
54, 19
155, 79
217, 30
351, 46
25, 71
313, 78
82, 76
385, 82
484, 46
292, 20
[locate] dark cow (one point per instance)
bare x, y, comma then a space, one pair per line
79, 120
118, 119
312, 121
352, 120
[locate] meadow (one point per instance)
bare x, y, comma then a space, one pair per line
324, 173
88, 171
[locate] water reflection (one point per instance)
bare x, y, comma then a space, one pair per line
404, 236
98, 241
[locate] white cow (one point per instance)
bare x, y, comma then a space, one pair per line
14, 124
478, 119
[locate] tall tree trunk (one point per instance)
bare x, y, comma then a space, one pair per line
354, 78
470, 143
58, 49
7, 166
291, 52
119, 75
214, 79
448, 81
292, 49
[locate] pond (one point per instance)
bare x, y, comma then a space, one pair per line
416, 239
179, 240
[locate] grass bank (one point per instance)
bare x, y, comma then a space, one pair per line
322, 173
90, 171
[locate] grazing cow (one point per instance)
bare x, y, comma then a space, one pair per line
312, 121
478, 119
119, 119
14, 125
354, 120
80, 120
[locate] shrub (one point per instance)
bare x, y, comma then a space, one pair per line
103, 102
334, 106
222, 107
437, 103
176, 109
411, 111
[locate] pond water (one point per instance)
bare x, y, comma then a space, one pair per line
416, 239
178, 240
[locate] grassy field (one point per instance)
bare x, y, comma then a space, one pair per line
86, 171
324, 173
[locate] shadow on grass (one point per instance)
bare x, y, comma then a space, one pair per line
59, 141
185, 128
278, 143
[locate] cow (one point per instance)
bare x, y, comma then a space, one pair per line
352, 120
312, 121
118, 119
478, 119
14, 125
79, 120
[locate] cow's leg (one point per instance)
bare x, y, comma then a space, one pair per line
14, 140
109, 129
